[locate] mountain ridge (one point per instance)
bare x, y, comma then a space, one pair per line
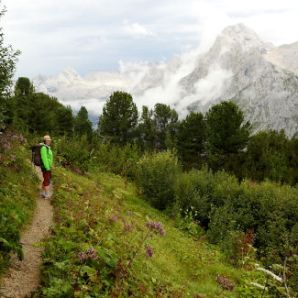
239, 66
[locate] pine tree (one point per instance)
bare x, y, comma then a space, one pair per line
146, 131
119, 118
165, 121
191, 140
228, 135
64, 121
82, 124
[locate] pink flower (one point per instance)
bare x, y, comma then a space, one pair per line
149, 251
156, 227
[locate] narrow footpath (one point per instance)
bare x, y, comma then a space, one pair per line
23, 277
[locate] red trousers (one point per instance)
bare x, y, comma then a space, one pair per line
46, 178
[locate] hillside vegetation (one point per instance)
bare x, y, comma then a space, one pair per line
18, 190
102, 246
147, 204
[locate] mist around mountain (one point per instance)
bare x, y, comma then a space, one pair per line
261, 78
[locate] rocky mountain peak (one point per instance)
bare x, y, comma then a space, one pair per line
241, 37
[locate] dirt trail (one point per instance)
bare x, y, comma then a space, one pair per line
23, 277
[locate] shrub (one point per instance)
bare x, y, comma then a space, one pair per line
230, 210
116, 159
73, 152
156, 175
204, 191
192, 191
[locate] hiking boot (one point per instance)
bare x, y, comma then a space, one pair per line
47, 196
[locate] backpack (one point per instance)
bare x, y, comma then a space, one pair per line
36, 157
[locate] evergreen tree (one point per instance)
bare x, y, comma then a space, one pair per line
119, 118
8, 58
37, 112
191, 140
267, 156
82, 124
23, 106
64, 121
44, 114
165, 121
293, 162
146, 130
228, 135
23, 87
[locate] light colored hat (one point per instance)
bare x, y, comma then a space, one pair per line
47, 137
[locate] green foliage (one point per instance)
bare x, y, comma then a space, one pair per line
191, 139
121, 160
157, 128
227, 132
187, 222
8, 59
146, 131
17, 195
225, 207
23, 87
204, 192
37, 112
165, 121
119, 118
156, 176
65, 121
82, 124
73, 152
227, 136
100, 226
273, 156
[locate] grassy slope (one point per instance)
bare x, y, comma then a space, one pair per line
104, 212
18, 190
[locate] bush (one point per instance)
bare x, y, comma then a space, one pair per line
73, 152
156, 176
230, 211
204, 191
116, 159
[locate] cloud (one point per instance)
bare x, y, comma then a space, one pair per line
136, 29
94, 35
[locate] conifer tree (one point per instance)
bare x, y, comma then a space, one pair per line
119, 118
165, 121
82, 124
146, 130
228, 135
191, 138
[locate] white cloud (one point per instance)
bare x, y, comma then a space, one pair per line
136, 29
91, 35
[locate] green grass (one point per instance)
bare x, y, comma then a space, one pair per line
104, 211
18, 190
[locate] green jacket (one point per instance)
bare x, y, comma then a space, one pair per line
46, 157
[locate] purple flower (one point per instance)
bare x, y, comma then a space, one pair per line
149, 251
89, 254
156, 227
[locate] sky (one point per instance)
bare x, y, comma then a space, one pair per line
97, 35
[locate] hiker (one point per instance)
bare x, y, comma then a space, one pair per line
46, 165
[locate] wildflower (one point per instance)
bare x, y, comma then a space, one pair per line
156, 227
89, 254
128, 227
149, 251
114, 218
